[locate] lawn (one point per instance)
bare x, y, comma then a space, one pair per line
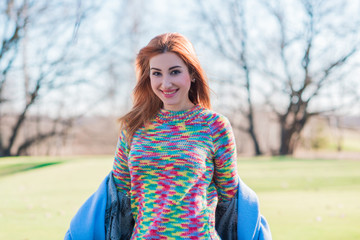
301, 199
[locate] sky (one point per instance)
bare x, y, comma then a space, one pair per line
107, 29
161, 16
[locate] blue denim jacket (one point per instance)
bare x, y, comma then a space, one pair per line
107, 215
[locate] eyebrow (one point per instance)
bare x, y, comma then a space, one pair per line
157, 69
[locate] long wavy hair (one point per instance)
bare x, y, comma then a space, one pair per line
145, 103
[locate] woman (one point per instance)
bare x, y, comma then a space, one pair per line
176, 158
174, 173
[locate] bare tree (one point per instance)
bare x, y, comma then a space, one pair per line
12, 16
81, 60
306, 60
121, 58
230, 31
313, 59
23, 22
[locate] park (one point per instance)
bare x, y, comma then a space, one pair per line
284, 74
301, 198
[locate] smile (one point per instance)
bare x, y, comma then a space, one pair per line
169, 94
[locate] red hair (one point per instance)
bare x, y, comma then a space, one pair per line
145, 103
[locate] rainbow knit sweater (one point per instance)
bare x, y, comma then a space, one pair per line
177, 168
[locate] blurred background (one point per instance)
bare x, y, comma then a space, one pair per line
285, 73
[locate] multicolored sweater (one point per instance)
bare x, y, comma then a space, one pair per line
176, 170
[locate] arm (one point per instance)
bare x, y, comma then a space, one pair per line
225, 174
242, 205
120, 167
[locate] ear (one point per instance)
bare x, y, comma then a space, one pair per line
192, 77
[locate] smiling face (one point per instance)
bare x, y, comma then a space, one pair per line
171, 81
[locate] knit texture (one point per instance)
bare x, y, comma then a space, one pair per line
178, 167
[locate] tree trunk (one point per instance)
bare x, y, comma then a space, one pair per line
251, 131
256, 144
291, 128
286, 146
5, 153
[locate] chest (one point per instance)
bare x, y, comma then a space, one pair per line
172, 148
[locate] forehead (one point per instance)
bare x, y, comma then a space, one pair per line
166, 60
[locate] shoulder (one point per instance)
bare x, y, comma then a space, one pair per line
123, 134
215, 120
213, 117
123, 138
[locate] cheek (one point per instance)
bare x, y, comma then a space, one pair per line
187, 82
153, 84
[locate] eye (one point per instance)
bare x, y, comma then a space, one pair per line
175, 72
157, 74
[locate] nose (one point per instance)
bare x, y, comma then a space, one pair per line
166, 82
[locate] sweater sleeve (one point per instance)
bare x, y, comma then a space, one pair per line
225, 174
121, 171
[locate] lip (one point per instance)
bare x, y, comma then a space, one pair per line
169, 93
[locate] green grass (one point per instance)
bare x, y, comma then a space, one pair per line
40, 203
15, 165
307, 199
301, 199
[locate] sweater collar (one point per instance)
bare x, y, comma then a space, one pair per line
185, 115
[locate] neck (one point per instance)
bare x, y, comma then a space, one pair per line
179, 108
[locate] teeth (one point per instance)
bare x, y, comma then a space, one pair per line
169, 93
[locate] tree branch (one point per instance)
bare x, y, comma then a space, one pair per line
218, 31
327, 72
